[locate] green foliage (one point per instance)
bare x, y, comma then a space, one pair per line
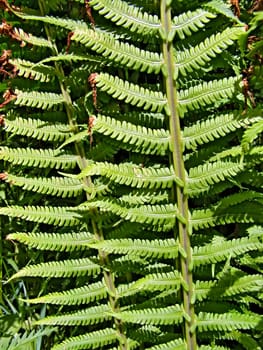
131, 168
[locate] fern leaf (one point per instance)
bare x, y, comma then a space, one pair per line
251, 134
231, 286
159, 316
136, 197
76, 296
147, 119
91, 340
55, 186
206, 93
65, 23
131, 174
191, 21
146, 139
223, 8
54, 241
213, 128
246, 340
36, 128
89, 316
226, 322
153, 282
43, 100
245, 284
208, 174
70, 57
194, 58
127, 16
124, 54
31, 39
233, 152
42, 158
221, 250
210, 217
132, 93
62, 268
177, 344
25, 69
138, 247
237, 198
60, 216
152, 214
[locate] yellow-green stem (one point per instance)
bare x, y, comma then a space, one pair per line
183, 229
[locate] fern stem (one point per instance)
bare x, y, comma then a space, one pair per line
184, 230
83, 163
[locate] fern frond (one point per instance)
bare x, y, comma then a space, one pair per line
137, 197
256, 154
158, 316
232, 152
123, 54
177, 344
191, 21
60, 216
245, 284
223, 8
42, 158
131, 174
75, 138
246, 340
153, 282
167, 248
194, 58
147, 119
89, 316
210, 217
54, 241
55, 186
92, 340
43, 100
25, 69
147, 139
252, 262
237, 198
206, 93
255, 230
227, 321
127, 16
36, 128
251, 134
31, 39
62, 268
69, 57
213, 128
209, 174
221, 250
229, 287
132, 93
76, 296
164, 214
66, 23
